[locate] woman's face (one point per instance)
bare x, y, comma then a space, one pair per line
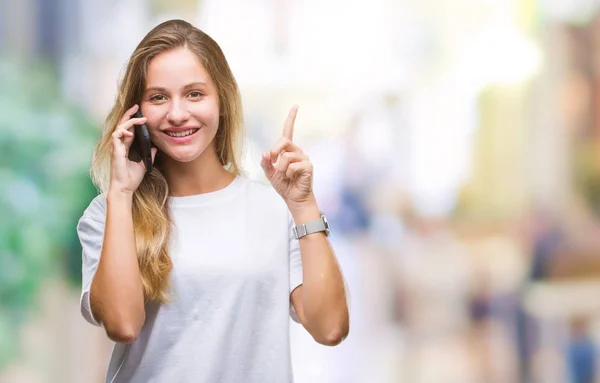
181, 105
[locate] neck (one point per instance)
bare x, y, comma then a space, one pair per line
203, 175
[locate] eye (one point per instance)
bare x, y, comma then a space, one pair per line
157, 98
195, 94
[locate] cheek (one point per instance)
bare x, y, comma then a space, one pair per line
208, 113
154, 116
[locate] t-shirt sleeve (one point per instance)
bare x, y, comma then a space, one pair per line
90, 230
295, 264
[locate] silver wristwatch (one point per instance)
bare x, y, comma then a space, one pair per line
315, 226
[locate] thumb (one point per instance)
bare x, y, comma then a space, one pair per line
267, 166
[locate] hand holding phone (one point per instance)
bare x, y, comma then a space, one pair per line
143, 145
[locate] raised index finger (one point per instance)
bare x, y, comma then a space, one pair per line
288, 127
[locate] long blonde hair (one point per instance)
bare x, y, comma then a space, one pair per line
151, 218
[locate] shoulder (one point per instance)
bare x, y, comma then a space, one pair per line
96, 210
260, 190
91, 224
262, 194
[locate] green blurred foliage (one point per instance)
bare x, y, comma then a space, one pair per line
45, 154
180, 7
587, 173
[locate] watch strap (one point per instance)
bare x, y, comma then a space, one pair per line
310, 227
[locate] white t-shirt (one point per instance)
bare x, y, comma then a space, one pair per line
235, 263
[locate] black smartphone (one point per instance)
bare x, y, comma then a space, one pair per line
142, 143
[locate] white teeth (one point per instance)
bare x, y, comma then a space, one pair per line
182, 134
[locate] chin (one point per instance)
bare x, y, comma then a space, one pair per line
184, 154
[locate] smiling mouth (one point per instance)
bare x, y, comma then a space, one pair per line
185, 133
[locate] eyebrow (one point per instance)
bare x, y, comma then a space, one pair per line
188, 86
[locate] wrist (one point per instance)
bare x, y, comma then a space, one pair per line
304, 212
118, 195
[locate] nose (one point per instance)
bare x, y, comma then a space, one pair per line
178, 113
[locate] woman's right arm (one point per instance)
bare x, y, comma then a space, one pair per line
116, 292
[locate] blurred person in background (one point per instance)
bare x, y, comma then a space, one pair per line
581, 352
192, 268
547, 237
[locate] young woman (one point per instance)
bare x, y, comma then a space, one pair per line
192, 268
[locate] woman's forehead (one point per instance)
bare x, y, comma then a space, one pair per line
176, 68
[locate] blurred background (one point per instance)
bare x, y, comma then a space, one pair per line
456, 152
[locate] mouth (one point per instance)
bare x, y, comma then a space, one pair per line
184, 133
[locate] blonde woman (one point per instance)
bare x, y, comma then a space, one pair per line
192, 269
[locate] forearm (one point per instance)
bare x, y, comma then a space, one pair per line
323, 291
116, 293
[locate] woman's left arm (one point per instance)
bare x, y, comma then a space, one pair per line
320, 301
